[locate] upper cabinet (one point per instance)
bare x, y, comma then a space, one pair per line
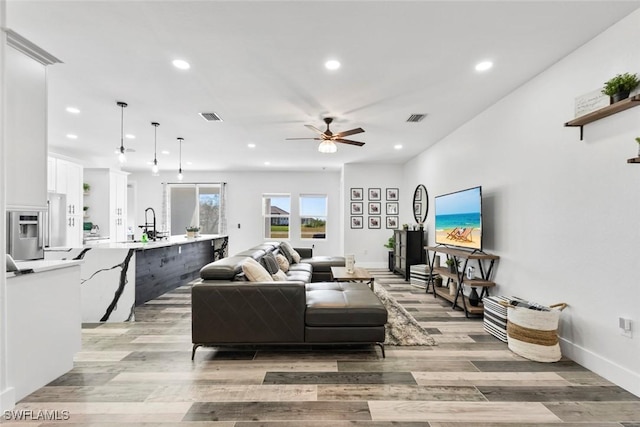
26, 132
25, 160
65, 177
107, 202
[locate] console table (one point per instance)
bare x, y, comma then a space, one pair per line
484, 264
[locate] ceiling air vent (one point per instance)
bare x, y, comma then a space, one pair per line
210, 117
415, 118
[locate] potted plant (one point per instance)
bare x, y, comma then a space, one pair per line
86, 211
86, 188
619, 87
638, 141
391, 244
453, 265
192, 231
405, 226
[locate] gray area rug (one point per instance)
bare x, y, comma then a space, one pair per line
401, 328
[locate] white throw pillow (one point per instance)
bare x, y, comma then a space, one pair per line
255, 272
282, 262
279, 276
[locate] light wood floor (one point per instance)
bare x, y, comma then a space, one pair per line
135, 374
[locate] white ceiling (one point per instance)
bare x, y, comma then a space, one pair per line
259, 65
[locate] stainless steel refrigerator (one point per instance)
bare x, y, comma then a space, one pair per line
25, 234
55, 221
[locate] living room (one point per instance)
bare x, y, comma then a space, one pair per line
558, 210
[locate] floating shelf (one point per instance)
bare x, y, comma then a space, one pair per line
625, 104
634, 160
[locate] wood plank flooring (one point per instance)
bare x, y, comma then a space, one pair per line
141, 374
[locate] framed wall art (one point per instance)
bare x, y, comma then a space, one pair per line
356, 208
356, 222
374, 222
357, 194
375, 194
393, 194
392, 208
375, 208
392, 222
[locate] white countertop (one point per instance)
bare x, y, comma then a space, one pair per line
41, 265
170, 241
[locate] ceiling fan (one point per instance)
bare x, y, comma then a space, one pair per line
329, 138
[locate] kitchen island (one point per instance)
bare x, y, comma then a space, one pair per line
117, 277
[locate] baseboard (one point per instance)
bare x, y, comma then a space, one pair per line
613, 372
7, 399
372, 264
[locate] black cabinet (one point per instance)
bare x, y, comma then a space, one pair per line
408, 250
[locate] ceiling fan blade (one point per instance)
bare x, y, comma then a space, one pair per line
292, 139
347, 133
348, 141
315, 129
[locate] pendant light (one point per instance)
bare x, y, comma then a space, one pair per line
154, 168
180, 167
121, 157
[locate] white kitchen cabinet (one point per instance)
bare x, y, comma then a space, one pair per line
25, 131
107, 202
68, 177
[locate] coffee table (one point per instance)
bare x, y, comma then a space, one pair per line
340, 274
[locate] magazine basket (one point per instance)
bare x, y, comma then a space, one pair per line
533, 334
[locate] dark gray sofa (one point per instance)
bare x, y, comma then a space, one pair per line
228, 310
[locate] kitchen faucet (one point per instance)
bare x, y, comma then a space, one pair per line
146, 223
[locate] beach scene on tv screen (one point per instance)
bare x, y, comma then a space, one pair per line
459, 219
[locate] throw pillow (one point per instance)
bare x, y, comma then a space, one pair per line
279, 276
288, 251
255, 272
282, 262
269, 262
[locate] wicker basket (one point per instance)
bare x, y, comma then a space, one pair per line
533, 334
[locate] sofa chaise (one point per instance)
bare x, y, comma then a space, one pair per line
228, 310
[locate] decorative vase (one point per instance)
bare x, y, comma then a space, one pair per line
191, 234
453, 288
438, 281
474, 298
616, 97
453, 269
349, 262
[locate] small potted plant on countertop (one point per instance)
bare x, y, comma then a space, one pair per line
638, 141
619, 87
192, 231
86, 188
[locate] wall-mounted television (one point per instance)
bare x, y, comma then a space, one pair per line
459, 218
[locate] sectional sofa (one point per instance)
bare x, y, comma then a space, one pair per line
307, 308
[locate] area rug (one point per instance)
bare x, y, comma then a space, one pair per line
401, 328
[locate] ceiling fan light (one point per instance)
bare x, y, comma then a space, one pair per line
327, 147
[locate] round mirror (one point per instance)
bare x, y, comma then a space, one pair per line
420, 204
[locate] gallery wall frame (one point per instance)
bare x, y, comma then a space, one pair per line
375, 222
357, 193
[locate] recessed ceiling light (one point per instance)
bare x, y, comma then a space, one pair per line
130, 136
72, 136
398, 146
251, 145
181, 64
149, 163
332, 64
72, 110
484, 65
267, 163
189, 163
165, 152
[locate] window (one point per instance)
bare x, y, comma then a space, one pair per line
276, 210
313, 216
195, 205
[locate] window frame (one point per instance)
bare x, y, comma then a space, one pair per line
267, 217
196, 186
301, 216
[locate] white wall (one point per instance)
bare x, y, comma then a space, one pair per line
368, 244
244, 194
7, 394
561, 213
